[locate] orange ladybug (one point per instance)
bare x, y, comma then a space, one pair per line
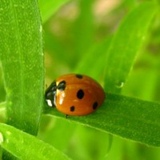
75, 94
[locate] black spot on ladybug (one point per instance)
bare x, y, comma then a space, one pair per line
80, 94
95, 105
79, 76
72, 108
62, 85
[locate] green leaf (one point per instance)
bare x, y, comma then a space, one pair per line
48, 8
145, 81
25, 146
126, 44
21, 55
130, 118
2, 111
84, 28
98, 51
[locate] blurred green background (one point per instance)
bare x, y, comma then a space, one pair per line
79, 31
70, 33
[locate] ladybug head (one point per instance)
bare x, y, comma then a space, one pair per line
50, 94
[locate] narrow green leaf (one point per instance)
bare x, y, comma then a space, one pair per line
126, 44
146, 81
2, 111
48, 8
21, 55
84, 27
95, 57
130, 118
27, 147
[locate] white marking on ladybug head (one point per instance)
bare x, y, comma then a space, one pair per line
49, 102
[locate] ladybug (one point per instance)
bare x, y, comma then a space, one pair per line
75, 94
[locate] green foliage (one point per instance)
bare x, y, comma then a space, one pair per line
22, 63
125, 46
25, 146
75, 40
21, 56
128, 117
49, 8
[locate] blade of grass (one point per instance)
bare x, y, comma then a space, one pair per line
125, 45
2, 112
146, 80
93, 61
25, 146
130, 118
21, 55
84, 28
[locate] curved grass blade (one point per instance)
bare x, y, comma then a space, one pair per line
127, 117
21, 55
24, 146
126, 44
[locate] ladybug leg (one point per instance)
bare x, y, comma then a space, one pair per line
67, 116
